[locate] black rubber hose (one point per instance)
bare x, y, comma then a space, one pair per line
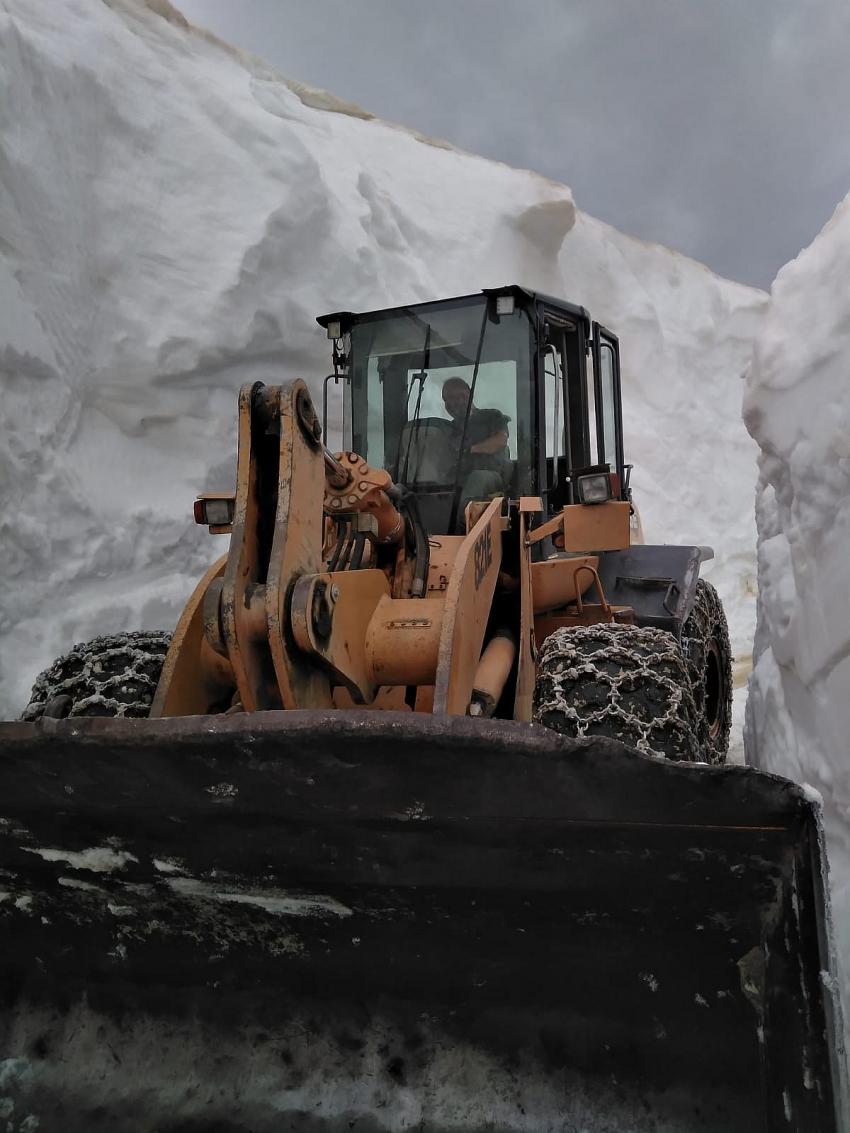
338, 549
357, 552
422, 548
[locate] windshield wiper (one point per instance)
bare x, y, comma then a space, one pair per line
413, 426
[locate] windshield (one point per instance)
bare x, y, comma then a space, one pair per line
414, 409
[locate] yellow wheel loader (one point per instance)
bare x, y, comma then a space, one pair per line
419, 819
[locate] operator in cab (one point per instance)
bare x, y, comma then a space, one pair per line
485, 463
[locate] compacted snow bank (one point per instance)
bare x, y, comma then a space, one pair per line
173, 215
798, 409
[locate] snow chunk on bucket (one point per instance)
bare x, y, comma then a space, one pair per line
98, 859
278, 902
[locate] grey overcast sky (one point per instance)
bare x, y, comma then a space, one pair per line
718, 127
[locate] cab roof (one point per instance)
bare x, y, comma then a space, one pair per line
523, 295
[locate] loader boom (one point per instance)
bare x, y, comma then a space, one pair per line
289, 631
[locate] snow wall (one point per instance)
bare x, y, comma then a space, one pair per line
797, 407
173, 216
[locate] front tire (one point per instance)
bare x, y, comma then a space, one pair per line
113, 675
708, 656
625, 682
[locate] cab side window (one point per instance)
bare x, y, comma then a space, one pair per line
608, 403
609, 417
553, 382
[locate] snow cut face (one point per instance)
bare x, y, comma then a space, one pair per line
798, 409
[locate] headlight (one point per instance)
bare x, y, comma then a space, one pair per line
215, 511
594, 489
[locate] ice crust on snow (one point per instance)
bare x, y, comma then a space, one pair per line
174, 215
797, 406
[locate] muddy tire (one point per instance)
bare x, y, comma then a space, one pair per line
114, 675
625, 682
708, 657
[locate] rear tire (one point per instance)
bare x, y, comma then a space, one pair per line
708, 656
625, 682
113, 675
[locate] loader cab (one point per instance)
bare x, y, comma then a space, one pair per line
504, 392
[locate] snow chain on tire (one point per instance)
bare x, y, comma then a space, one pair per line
114, 675
626, 682
708, 656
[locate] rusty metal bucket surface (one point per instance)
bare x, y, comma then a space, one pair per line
343, 920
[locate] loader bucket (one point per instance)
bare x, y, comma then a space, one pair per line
330, 921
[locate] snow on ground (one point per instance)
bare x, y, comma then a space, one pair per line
798, 409
174, 215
